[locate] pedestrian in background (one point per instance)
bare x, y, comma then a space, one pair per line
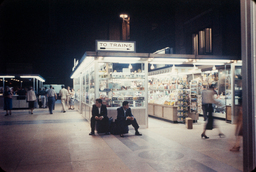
63, 96
51, 94
239, 120
42, 96
68, 97
72, 99
31, 98
8, 101
204, 105
208, 100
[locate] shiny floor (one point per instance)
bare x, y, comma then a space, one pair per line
60, 142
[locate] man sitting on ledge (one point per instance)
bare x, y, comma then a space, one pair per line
125, 118
99, 114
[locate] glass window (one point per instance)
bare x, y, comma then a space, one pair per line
87, 87
77, 88
91, 87
122, 82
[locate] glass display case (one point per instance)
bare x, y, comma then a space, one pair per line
121, 82
76, 85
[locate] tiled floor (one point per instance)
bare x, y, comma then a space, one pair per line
60, 142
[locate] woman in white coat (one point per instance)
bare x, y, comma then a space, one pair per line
31, 98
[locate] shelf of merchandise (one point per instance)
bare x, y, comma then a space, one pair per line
183, 101
194, 96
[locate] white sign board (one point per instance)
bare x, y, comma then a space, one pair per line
120, 46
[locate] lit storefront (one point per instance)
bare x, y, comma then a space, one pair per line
19, 81
118, 76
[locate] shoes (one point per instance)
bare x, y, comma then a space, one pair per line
31, 112
10, 113
64, 111
121, 135
91, 133
221, 135
50, 112
235, 149
6, 114
138, 134
204, 136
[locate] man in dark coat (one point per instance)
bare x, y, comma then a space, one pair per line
99, 114
125, 118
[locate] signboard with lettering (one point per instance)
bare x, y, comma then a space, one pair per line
116, 46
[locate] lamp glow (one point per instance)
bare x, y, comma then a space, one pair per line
152, 67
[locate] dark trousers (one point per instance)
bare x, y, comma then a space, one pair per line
124, 123
209, 110
104, 124
51, 102
204, 107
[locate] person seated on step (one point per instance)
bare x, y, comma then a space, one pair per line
99, 114
125, 118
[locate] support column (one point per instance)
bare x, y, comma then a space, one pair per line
34, 87
248, 74
232, 75
3, 84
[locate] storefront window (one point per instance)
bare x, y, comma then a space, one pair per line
87, 87
84, 88
122, 82
92, 89
77, 88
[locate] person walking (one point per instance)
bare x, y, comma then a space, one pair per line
42, 96
8, 101
204, 106
68, 97
31, 98
239, 120
72, 99
208, 100
63, 96
51, 94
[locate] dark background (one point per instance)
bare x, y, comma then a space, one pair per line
44, 36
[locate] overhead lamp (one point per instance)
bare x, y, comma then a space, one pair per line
152, 67
214, 68
173, 69
123, 16
130, 66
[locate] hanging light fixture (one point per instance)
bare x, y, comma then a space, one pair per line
152, 67
173, 69
130, 66
214, 68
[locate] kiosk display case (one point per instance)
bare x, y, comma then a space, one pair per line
114, 82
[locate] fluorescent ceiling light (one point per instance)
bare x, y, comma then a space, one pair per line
212, 61
7, 76
168, 60
154, 62
122, 58
30, 76
208, 63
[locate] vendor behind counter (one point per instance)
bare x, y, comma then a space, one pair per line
21, 94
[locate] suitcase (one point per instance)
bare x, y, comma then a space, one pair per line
116, 129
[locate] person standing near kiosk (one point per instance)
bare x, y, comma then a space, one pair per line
51, 94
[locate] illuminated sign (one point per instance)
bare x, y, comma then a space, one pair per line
75, 64
120, 46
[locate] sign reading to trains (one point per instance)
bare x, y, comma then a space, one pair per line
120, 46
